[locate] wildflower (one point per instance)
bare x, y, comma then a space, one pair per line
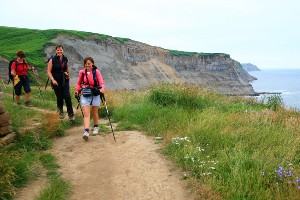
263, 173
289, 173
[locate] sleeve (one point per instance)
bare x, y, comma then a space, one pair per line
79, 81
100, 79
13, 66
27, 66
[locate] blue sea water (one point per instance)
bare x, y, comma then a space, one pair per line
287, 82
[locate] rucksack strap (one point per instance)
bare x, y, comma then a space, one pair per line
94, 77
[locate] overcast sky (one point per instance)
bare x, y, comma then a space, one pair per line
265, 33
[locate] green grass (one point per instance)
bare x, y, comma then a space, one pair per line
24, 160
58, 189
225, 143
33, 42
231, 146
202, 55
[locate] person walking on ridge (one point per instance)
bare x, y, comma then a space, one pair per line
19, 70
89, 85
59, 74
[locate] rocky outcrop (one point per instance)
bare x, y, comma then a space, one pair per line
135, 65
7, 135
250, 67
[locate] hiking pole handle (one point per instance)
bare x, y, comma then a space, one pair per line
78, 99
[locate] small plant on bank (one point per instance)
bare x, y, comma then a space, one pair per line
283, 181
273, 102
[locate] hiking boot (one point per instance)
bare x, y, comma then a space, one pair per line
19, 103
28, 104
95, 131
61, 116
71, 118
86, 135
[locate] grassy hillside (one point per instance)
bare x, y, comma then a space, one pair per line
33, 42
233, 148
230, 148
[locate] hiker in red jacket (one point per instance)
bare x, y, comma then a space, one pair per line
90, 83
19, 70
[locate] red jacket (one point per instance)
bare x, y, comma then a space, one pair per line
21, 68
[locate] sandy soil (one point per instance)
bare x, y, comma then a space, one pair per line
101, 169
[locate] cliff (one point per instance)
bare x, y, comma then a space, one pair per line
135, 65
250, 67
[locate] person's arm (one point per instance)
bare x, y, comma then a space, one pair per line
101, 82
79, 81
13, 69
49, 69
67, 72
30, 68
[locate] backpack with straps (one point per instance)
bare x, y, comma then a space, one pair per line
11, 77
52, 57
95, 90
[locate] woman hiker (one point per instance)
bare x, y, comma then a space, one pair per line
59, 74
19, 70
89, 85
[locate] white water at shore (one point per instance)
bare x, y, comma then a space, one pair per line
287, 82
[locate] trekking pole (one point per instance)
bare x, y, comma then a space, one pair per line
103, 101
35, 72
13, 92
47, 83
78, 99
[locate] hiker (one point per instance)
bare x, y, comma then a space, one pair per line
19, 69
59, 74
89, 85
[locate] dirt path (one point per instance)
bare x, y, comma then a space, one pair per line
129, 169
102, 169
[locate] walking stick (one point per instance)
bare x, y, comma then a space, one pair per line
47, 83
35, 72
78, 99
103, 101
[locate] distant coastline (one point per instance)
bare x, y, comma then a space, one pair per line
284, 82
250, 67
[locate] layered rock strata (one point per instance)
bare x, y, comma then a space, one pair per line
135, 65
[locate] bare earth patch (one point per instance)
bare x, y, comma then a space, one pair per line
130, 168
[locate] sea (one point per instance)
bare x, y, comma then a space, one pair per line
284, 81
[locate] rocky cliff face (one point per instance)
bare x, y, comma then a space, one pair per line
136, 65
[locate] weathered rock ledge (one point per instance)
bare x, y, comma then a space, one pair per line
135, 65
7, 135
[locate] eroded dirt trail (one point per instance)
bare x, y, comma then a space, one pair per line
129, 169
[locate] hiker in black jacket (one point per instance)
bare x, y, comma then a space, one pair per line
59, 74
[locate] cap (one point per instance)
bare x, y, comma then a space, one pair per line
21, 54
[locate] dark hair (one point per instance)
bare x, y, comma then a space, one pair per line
59, 46
88, 58
21, 54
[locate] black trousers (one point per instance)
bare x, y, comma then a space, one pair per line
62, 92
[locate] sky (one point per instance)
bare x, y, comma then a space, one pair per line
265, 33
